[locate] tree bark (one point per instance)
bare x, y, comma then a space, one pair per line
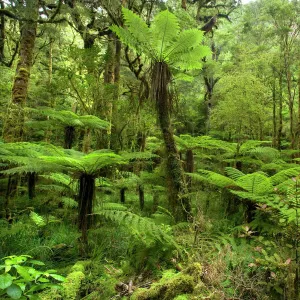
85, 204
280, 125
13, 129
274, 112
2, 34
179, 203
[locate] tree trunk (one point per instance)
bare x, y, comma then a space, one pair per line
274, 113
298, 125
69, 137
280, 125
85, 204
179, 203
13, 128
141, 197
31, 185
122, 195
189, 166
2, 34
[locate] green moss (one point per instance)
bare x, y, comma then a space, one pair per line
50, 294
170, 286
73, 281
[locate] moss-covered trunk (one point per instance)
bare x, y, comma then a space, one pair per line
13, 128
178, 201
85, 203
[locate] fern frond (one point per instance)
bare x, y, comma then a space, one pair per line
234, 173
191, 60
164, 29
139, 225
61, 179
255, 183
69, 202
264, 153
37, 219
93, 122
213, 178
251, 144
186, 40
284, 175
136, 35
111, 206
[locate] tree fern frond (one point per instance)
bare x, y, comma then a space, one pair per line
64, 116
264, 153
251, 144
186, 40
93, 122
127, 38
164, 29
234, 173
137, 27
284, 175
212, 178
36, 166
60, 178
138, 155
191, 60
255, 183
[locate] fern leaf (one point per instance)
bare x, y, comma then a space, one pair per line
69, 202
213, 178
137, 28
186, 40
164, 29
37, 219
284, 175
255, 183
139, 225
94, 122
234, 173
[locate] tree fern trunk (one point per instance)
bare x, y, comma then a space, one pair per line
280, 125
178, 201
85, 203
2, 33
141, 197
13, 128
122, 195
31, 185
69, 137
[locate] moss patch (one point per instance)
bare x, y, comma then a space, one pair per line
73, 281
170, 286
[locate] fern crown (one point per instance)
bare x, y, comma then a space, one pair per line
163, 41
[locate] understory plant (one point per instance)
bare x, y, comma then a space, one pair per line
21, 278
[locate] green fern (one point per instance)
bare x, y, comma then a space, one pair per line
163, 42
37, 219
144, 228
68, 118
69, 202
